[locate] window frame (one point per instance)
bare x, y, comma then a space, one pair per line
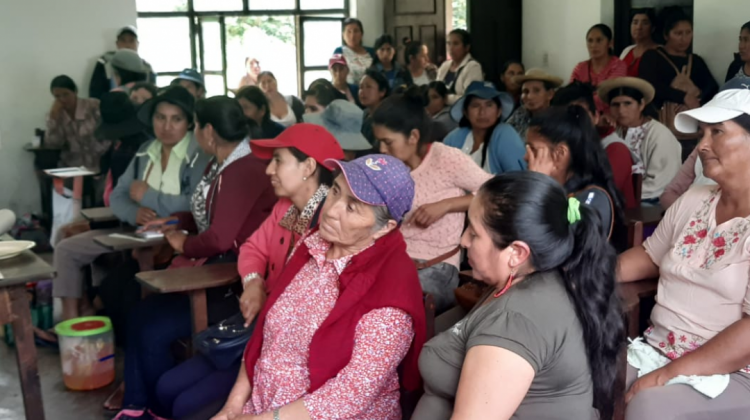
197, 52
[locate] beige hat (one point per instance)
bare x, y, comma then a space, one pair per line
629, 82
540, 75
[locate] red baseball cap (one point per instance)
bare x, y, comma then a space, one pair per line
337, 59
310, 139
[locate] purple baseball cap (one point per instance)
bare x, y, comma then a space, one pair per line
379, 180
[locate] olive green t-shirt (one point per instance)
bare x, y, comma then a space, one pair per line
536, 320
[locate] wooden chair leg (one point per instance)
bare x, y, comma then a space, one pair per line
26, 353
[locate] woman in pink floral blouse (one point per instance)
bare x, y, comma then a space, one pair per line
345, 313
701, 252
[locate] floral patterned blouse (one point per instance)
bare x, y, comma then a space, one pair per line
367, 388
704, 272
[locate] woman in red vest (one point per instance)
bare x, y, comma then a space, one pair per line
346, 311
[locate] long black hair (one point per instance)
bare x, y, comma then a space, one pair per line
255, 96
576, 92
323, 91
225, 116
532, 208
383, 84
589, 164
403, 113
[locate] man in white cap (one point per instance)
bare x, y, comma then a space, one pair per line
102, 81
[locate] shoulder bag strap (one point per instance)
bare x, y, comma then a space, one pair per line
669, 60
611, 206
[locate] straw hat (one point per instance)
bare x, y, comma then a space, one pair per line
629, 82
539, 75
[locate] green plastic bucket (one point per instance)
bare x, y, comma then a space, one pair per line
87, 352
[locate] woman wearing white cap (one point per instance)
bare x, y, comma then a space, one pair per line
701, 321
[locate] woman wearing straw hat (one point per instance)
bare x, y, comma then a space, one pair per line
658, 150
537, 89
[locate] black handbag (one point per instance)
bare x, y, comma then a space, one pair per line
224, 343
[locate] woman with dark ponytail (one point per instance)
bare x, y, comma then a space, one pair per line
442, 176
563, 143
543, 341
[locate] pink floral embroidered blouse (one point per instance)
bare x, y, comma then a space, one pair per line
704, 269
367, 388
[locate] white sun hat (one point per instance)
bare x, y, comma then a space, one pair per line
726, 105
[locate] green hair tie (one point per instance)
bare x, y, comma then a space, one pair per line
574, 210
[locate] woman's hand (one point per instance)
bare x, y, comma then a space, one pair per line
138, 190
540, 160
232, 410
252, 300
144, 216
176, 240
428, 214
157, 224
55, 110
657, 378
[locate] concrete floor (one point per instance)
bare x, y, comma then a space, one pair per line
59, 403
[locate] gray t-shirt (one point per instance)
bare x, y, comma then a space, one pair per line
536, 320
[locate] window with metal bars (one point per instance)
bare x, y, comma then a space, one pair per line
230, 41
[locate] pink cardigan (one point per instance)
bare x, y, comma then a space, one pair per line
266, 250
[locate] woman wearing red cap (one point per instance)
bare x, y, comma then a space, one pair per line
346, 311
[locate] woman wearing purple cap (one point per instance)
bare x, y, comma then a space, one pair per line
442, 177
342, 329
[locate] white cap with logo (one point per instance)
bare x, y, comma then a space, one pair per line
726, 105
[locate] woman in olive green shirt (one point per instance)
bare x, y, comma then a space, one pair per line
542, 343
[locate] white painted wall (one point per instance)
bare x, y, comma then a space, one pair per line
717, 27
557, 28
554, 32
39, 40
372, 15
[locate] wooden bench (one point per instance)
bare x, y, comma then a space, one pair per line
194, 281
144, 251
14, 309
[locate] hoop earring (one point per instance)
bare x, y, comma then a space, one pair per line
507, 284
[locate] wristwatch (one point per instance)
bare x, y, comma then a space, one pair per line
276, 414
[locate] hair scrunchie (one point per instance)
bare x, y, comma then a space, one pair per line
574, 210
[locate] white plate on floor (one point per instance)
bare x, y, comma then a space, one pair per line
10, 249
